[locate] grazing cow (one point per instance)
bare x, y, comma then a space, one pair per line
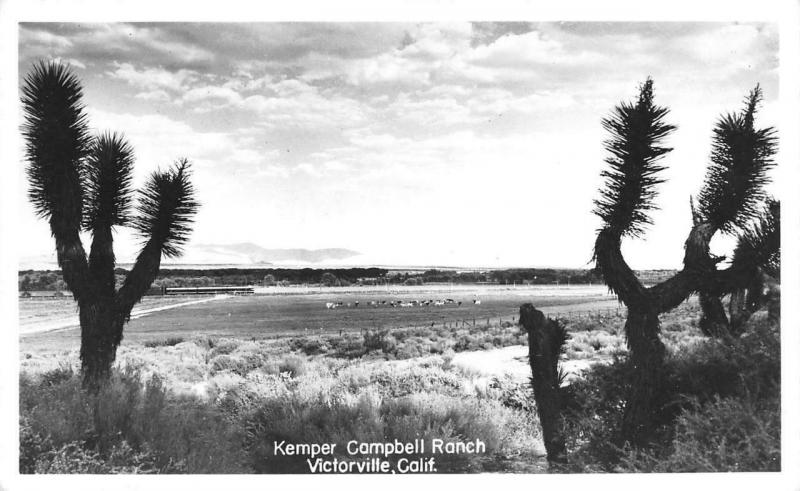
459, 303
330, 305
450, 300
476, 302
356, 304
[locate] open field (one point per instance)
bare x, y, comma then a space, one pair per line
404, 383
210, 387
45, 314
249, 386
268, 316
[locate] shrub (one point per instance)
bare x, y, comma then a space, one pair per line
293, 365
348, 346
170, 341
726, 435
369, 418
240, 365
224, 347
718, 409
380, 340
310, 345
129, 426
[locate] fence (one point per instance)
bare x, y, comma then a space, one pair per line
502, 321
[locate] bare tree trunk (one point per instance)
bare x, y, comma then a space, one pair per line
545, 340
738, 310
647, 375
773, 299
101, 334
713, 321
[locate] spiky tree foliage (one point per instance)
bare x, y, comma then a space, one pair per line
57, 140
730, 201
82, 183
759, 244
740, 158
166, 209
757, 259
741, 155
637, 130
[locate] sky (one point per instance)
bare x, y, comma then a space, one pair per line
459, 144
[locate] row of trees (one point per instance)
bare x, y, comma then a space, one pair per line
53, 280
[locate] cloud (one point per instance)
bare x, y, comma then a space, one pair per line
40, 40
152, 78
462, 126
104, 44
158, 140
211, 97
154, 96
298, 104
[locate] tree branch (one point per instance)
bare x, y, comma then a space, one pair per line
109, 169
141, 276
619, 277
56, 141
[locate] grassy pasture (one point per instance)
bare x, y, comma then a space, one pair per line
41, 310
269, 316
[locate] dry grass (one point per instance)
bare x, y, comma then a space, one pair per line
379, 386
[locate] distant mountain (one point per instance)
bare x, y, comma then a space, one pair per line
248, 253
231, 255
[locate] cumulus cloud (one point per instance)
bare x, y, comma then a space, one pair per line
152, 78
484, 124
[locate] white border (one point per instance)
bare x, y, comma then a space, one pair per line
786, 13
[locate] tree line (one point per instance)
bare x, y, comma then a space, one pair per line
53, 280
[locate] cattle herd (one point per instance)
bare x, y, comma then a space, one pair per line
398, 303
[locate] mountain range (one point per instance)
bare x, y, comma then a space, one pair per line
249, 253
243, 254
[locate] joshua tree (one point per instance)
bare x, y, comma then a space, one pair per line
730, 200
83, 183
732, 191
546, 340
756, 259
758, 252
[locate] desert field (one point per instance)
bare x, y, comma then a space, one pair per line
275, 313
211, 386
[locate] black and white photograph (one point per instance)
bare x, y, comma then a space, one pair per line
535, 243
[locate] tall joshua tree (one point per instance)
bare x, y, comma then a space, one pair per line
83, 183
732, 201
637, 132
